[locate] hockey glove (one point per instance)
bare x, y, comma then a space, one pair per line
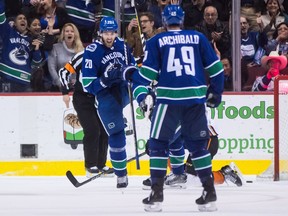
147, 105
128, 72
111, 76
212, 98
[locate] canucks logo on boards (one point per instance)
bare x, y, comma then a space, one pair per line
19, 55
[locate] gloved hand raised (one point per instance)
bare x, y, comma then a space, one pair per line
212, 98
147, 105
128, 72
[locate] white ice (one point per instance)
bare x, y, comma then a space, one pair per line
53, 196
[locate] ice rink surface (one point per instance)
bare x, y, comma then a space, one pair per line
55, 196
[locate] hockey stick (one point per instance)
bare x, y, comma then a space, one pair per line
134, 126
77, 184
132, 113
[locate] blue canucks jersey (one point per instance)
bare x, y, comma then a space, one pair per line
178, 61
108, 9
16, 57
80, 13
96, 59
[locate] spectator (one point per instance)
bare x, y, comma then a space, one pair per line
215, 31
82, 14
193, 13
156, 10
274, 63
136, 37
45, 9
249, 11
252, 49
228, 75
195, 10
225, 6
125, 18
280, 40
271, 17
250, 43
17, 55
69, 43
40, 77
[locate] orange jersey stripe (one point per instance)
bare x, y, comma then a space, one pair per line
70, 68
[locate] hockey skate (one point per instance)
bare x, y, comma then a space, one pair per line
107, 172
146, 184
176, 181
92, 171
122, 182
207, 201
153, 203
231, 175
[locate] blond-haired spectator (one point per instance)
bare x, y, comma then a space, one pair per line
69, 43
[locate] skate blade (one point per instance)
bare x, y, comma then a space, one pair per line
155, 207
92, 175
175, 186
107, 175
209, 207
144, 187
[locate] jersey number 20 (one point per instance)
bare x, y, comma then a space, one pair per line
88, 63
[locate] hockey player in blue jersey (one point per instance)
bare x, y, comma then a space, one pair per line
17, 55
177, 59
102, 76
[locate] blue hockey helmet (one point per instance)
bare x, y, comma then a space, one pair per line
172, 15
108, 24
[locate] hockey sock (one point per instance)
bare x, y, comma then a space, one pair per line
118, 155
177, 160
202, 163
158, 158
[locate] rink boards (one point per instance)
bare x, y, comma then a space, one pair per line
32, 140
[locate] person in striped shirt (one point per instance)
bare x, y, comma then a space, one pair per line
95, 140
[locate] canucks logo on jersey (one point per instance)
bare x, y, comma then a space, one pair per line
115, 65
19, 55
